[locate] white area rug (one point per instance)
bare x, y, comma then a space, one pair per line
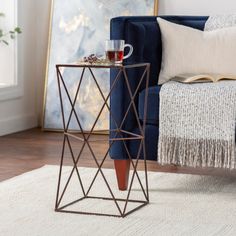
180, 205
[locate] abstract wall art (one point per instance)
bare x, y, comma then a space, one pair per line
77, 29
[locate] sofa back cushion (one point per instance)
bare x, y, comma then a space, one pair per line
189, 51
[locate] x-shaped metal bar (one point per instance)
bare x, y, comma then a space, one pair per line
118, 127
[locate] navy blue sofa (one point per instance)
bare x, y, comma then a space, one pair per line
144, 34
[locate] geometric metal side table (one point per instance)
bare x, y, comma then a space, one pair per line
120, 135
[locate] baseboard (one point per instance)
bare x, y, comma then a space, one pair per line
17, 123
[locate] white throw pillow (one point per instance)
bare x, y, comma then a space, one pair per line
188, 50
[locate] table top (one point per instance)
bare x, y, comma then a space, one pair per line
100, 65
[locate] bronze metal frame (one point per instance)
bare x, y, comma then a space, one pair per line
85, 139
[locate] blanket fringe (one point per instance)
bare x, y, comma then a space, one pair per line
197, 152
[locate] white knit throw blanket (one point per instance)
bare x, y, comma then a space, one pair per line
197, 124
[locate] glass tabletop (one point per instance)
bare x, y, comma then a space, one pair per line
103, 65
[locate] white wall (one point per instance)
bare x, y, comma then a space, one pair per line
196, 7
23, 112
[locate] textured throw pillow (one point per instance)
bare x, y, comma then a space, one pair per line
220, 21
188, 50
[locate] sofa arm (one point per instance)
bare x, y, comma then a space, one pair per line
134, 31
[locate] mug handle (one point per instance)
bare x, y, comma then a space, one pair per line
130, 50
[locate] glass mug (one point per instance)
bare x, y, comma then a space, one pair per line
115, 50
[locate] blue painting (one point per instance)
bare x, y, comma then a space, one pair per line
80, 28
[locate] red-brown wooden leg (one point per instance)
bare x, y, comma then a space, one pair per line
122, 173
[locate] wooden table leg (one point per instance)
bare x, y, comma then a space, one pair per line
122, 168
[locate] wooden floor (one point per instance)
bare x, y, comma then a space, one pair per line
31, 149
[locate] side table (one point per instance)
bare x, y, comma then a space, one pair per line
120, 135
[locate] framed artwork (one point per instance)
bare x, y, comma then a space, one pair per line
79, 28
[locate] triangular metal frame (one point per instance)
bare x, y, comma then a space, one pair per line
86, 138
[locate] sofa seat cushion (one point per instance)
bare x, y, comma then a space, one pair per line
152, 105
